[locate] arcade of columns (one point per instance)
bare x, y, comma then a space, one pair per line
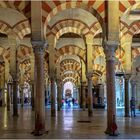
52, 42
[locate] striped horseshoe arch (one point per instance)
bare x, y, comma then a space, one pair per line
71, 50
51, 8
22, 6
69, 23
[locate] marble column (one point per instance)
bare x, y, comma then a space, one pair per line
133, 89
101, 93
2, 73
32, 95
52, 75
109, 49
32, 82
38, 47
9, 90
83, 97
13, 43
80, 95
89, 69
127, 104
22, 96
90, 97
15, 99
59, 99
53, 97
11, 96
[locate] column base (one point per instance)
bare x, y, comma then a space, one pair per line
114, 134
111, 132
39, 132
58, 108
53, 113
15, 115
84, 107
8, 108
90, 113
126, 115
33, 108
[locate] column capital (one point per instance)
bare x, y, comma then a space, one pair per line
109, 49
83, 83
89, 75
39, 45
127, 76
15, 80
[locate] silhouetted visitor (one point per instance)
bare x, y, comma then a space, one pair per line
73, 101
132, 106
62, 102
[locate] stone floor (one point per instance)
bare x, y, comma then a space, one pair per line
66, 125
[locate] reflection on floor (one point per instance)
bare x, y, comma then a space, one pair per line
67, 125
67, 106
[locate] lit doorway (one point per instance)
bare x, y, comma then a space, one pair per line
70, 96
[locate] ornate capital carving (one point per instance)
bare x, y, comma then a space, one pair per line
109, 49
39, 46
89, 75
127, 77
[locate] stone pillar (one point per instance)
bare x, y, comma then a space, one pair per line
59, 96
80, 95
11, 96
3, 88
52, 75
133, 89
32, 82
126, 78
3, 98
13, 43
32, 95
53, 97
89, 70
22, 96
15, 99
9, 90
90, 97
83, 97
109, 49
38, 47
101, 93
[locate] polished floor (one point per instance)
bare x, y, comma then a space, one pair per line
67, 125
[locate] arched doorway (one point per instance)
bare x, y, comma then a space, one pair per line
70, 96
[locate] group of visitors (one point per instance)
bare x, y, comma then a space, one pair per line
68, 101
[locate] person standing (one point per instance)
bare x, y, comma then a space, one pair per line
132, 107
